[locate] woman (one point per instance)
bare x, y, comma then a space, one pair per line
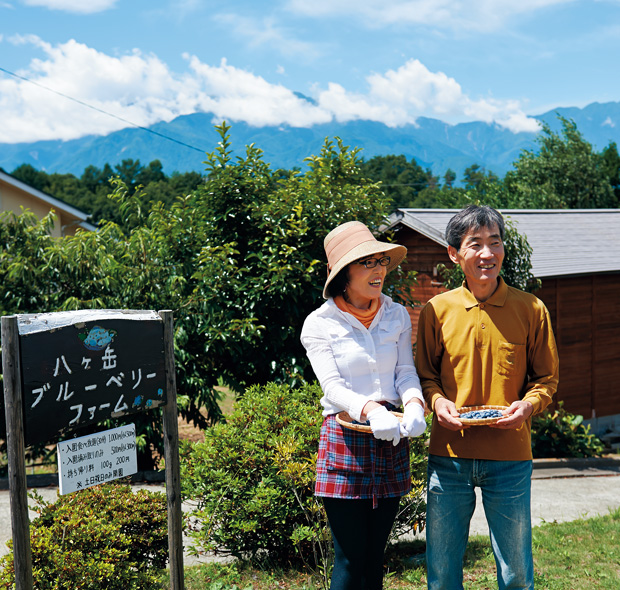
359, 345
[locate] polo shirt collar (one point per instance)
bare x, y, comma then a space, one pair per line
498, 298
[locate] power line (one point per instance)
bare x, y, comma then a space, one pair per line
85, 104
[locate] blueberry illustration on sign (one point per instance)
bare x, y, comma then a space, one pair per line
98, 338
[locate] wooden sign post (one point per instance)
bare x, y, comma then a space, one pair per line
66, 370
18, 495
171, 456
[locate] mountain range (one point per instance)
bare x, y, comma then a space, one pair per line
182, 144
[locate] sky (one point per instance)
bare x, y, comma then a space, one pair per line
70, 68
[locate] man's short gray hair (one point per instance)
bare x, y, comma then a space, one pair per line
472, 217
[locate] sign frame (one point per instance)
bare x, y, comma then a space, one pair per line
14, 409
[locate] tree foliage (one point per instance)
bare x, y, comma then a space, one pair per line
240, 262
402, 181
565, 172
90, 191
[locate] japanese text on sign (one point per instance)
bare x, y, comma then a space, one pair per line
85, 372
97, 458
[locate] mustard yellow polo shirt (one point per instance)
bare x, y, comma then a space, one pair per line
486, 353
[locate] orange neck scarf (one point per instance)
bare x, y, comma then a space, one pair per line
365, 316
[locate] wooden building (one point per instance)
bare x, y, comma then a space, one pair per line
576, 254
15, 194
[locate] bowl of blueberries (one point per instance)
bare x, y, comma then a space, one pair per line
481, 415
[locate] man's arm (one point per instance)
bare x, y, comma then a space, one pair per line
428, 363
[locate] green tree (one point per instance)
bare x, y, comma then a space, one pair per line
477, 178
611, 166
449, 178
401, 180
154, 172
565, 172
95, 179
129, 172
31, 176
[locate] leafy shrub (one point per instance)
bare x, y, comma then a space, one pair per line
102, 538
557, 433
253, 480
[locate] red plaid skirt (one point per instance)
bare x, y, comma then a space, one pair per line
356, 465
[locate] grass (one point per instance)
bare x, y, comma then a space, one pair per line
576, 555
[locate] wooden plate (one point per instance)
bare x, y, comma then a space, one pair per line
479, 421
347, 422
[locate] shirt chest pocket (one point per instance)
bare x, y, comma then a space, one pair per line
389, 332
343, 343
511, 359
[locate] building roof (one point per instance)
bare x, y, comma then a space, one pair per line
564, 241
81, 216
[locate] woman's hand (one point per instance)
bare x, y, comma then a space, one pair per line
384, 426
413, 422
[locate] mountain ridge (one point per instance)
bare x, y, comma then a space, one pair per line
433, 143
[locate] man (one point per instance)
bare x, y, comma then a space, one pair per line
484, 343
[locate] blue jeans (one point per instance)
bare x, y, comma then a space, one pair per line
451, 500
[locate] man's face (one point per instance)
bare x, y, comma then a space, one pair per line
480, 256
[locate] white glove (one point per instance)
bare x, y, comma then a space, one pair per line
385, 426
413, 422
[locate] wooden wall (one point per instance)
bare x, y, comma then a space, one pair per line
423, 255
585, 313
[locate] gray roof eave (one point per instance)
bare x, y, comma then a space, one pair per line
565, 242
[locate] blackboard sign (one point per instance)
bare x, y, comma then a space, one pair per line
82, 367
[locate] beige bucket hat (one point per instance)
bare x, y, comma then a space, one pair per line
351, 241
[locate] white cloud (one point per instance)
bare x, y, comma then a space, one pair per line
444, 14
136, 87
401, 96
231, 93
141, 88
78, 6
266, 33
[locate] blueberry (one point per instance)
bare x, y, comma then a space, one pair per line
481, 414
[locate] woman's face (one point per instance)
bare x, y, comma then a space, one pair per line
364, 283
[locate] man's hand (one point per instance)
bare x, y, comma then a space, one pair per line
514, 416
447, 416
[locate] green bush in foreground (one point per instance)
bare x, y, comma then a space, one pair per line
253, 481
560, 434
102, 538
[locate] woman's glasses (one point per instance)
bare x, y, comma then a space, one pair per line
372, 262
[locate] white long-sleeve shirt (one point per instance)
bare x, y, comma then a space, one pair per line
355, 365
